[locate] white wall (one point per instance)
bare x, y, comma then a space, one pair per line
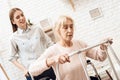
92, 31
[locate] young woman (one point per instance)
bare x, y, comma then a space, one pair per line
57, 56
27, 43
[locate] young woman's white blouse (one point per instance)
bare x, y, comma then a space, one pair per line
28, 45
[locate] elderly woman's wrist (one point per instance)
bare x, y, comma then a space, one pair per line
103, 51
49, 62
103, 47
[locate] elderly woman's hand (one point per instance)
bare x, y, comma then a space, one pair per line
57, 59
63, 58
105, 45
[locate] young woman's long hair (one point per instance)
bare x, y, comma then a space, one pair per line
11, 16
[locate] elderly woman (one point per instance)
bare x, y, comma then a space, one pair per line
65, 67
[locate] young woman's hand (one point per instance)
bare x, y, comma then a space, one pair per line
26, 72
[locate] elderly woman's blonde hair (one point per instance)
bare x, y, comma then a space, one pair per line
59, 23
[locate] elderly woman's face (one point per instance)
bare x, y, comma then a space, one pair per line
66, 31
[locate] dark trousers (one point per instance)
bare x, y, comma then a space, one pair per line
46, 75
49, 75
93, 78
28, 77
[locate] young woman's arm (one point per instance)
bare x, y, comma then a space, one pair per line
14, 56
21, 67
